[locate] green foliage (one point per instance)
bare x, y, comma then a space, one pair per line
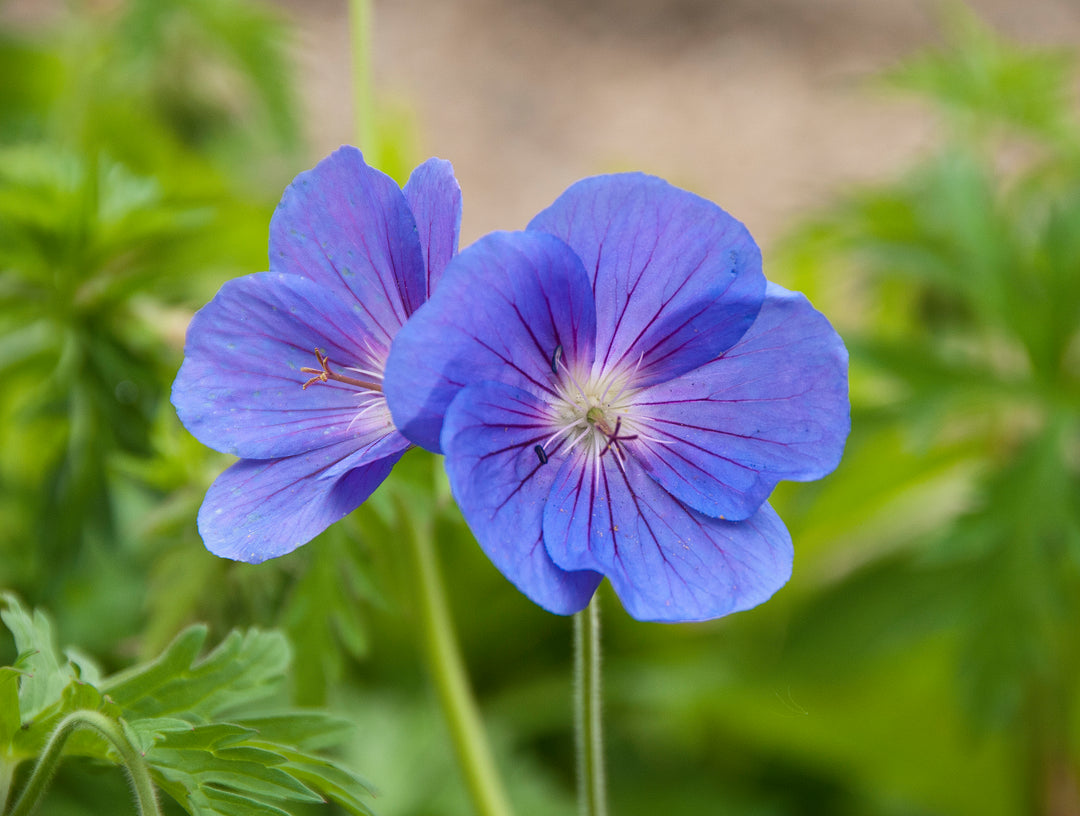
923, 659
964, 334
138, 147
211, 727
985, 82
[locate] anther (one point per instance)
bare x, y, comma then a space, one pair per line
556, 356
540, 454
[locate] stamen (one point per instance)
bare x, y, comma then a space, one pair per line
555, 358
324, 374
369, 372
559, 434
558, 359
540, 454
573, 442
595, 461
626, 382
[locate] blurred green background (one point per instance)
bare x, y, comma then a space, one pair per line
925, 658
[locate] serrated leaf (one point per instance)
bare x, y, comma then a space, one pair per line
199, 768
46, 672
341, 786
229, 803
32, 734
142, 741
86, 668
207, 737
307, 730
132, 687
242, 671
158, 727
249, 753
208, 765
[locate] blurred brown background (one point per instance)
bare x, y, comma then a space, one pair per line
761, 106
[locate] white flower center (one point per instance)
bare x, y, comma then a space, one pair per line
594, 412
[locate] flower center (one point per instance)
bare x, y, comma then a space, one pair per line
594, 413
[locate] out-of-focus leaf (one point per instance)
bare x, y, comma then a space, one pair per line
979, 74
324, 612
45, 673
174, 53
141, 682
301, 729
29, 82
244, 669
953, 522
10, 718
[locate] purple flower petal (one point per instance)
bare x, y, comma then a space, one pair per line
501, 486
503, 308
665, 561
434, 197
773, 407
260, 509
348, 227
240, 387
677, 280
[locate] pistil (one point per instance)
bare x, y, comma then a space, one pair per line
325, 374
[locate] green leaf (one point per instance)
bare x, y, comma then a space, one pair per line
140, 682
342, 786
212, 740
979, 74
46, 673
86, 668
209, 737
306, 729
9, 704
211, 802
242, 671
174, 701
196, 769
325, 610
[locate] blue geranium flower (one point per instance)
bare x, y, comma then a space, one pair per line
617, 390
284, 368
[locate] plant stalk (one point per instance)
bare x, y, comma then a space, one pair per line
107, 729
360, 24
447, 670
592, 788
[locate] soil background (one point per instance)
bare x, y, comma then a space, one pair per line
768, 107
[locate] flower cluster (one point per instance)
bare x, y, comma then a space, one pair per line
616, 389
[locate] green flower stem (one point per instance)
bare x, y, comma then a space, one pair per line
7, 775
109, 730
448, 673
360, 14
592, 792
433, 615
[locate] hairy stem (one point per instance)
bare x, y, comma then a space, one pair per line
107, 729
448, 673
592, 791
